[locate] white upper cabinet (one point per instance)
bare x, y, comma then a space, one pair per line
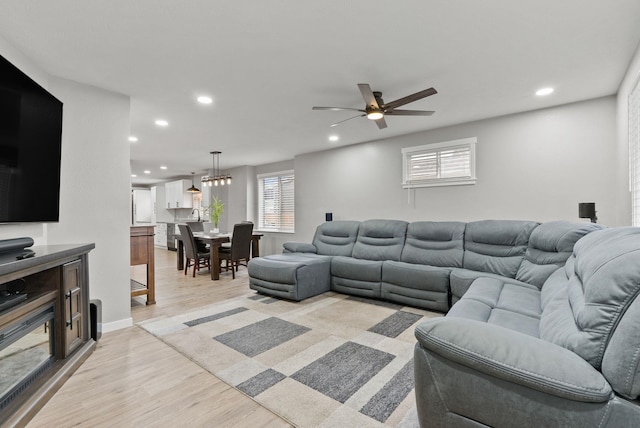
177, 195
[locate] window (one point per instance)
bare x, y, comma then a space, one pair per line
276, 202
439, 164
634, 152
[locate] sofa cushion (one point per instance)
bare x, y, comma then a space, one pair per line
461, 279
434, 243
550, 245
356, 276
496, 246
363, 270
282, 268
417, 285
584, 304
336, 238
380, 240
510, 304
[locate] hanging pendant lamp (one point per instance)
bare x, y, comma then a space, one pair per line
193, 188
216, 178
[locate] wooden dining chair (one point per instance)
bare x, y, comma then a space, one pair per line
193, 255
240, 249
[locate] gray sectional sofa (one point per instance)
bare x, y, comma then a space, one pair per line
423, 264
562, 354
542, 325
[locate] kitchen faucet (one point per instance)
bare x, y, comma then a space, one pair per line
194, 210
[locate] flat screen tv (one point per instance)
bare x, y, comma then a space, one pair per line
30, 149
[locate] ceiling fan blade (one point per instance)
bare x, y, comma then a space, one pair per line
368, 96
410, 113
409, 99
337, 108
381, 123
342, 121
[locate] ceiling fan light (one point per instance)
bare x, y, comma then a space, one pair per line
374, 115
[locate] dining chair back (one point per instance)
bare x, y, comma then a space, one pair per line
240, 249
193, 254
196, 226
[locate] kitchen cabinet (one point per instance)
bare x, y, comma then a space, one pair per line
177, 195
141, 206
154, 204
160, 238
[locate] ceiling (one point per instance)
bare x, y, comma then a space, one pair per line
266, 63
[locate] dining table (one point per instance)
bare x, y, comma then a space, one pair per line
215, 240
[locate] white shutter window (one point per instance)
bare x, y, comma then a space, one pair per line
276, 203
439, 164
634, 152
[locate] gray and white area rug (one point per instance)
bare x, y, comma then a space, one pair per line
329, 361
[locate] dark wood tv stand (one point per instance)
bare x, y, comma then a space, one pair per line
56, 277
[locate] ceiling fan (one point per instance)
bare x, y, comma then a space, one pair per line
376, 109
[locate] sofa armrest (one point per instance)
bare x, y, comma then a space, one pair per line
299, 247
514, 357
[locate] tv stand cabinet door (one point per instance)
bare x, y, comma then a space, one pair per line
72, 297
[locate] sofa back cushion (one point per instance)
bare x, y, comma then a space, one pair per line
550, 245
496, 246
336, 238
591, 308
434, 243
380, 240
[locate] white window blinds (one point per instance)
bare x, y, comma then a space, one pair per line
634, 152
439, 164
276, 203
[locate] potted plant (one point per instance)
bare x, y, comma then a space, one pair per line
215, 212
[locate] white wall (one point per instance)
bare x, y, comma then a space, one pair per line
95, 187
623, 194
95, 190
536, 166
239, 203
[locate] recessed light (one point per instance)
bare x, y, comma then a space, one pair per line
544, 91
133, 175
133, 138
203, 99
163, 167
333, 138
147, 172
162, 122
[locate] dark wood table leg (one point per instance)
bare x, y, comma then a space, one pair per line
180, 255
214, 262
255, 246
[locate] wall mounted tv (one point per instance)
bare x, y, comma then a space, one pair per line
30, 149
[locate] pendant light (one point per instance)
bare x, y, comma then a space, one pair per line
216, 178
193, 188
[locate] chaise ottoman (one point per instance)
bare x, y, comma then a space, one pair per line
292, 276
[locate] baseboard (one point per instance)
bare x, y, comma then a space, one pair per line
116, 325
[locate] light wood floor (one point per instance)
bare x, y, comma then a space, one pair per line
133, 379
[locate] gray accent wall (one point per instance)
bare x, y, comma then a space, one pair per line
535, 166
